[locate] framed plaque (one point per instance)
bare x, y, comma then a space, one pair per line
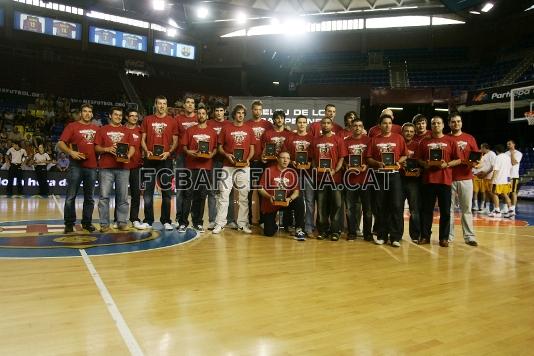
204, 149
270, 151
435, 156
301, 158
388, 158
121, 152
355, 161
74, 147
157, 151
325, 165
239, 155
280, 197
475, 157
412, 168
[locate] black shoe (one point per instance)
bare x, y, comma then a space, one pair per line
322, 237
351, 237
334, 236
89, 228
368, 238
68, 229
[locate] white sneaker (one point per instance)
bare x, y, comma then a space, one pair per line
115, 226
495, 214
139, 225
378, 242
168, 227
217, 229
199, 229
211, 225
245, 229
395, 244
232, 225
147, 226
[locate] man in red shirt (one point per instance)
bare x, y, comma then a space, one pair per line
234, 138
279, 176
437, 181
199, 167
302, 141
357, 198
217, 123
277, 134
158, 129
462, 180
184, 122
377, 130
411, 185
348, 130
420, 123
112, 172
329, 113
329, 151
388, 198
77, 140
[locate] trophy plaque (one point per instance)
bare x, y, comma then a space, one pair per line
411, 169
121, 152
239, 155
325, 165
280, 198
355, 161
74, 147
157, 151
204, 149
270, 151
388, 158
435, 157
301, 158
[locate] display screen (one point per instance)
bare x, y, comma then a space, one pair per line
116, 38
173, 49
47, 26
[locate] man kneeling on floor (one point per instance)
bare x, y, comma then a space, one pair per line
280, 191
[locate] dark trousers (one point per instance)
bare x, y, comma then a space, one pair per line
256, 170
330, 206
412, 191
442, 193
296, 208
75, 176
135, 193
15, 171
389, 204
40, 172
195, 196
179, 166
358, 201
162, 172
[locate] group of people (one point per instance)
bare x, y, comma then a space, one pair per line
343, 173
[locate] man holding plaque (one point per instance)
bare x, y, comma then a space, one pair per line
387, 153
437, 181
236, 144
273, 140
329, 151
462, 180
357, 198
113, 143
377, 129
280, 191
300, 146
159, 139
77, 140
200, 145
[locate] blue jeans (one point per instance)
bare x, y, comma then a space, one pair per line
309, 201
212, 196
75, 176
120, 177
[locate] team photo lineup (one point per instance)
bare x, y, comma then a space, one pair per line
325, 180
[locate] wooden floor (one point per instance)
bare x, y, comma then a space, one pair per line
235, 294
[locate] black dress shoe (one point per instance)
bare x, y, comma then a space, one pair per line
423, 241
68, 229
444, 243
89, 228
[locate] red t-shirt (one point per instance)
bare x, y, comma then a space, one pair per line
418, 138
159, 131
106, 137
190, 139
355, 147
332, 147
344, 134
466, 143
299, 143
84, 136
137, 159
273, 178
393, 143
184, 122
217, 126
450, 152
315, 128
258, 128
376, 131
232, 136
278, 138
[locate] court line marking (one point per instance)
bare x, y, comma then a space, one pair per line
424, 248
389, 253
116, 315
58, 205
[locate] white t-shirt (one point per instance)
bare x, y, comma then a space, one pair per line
17, 156
502, 167
514, 173
40, 159
486, 164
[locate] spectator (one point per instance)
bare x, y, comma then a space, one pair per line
17, 156
40, 162
62, 163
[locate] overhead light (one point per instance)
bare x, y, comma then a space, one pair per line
173, 23
487, 7
202, 12
474, 12
158, 5
172, 32
441, 109
530, 8
395, 109
241, 17
276, 83
275, 21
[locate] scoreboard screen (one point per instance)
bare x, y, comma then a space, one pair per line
116, 38
173, 49
47, 26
